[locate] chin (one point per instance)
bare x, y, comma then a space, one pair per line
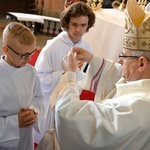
22, 65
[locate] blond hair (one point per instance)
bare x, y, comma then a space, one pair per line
20, 32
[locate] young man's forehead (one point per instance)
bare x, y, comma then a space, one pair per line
80, 19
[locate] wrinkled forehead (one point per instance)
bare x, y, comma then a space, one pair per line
126, 51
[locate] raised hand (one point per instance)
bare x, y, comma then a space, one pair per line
82, 55
69, 62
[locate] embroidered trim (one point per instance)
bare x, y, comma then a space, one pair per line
95, 79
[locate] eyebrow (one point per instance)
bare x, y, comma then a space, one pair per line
30, 52
78, 23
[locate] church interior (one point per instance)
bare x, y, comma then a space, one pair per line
43, 18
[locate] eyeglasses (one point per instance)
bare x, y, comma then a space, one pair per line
25, 56
121, 55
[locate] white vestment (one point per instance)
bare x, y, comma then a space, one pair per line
19, 88
120, 123
49, 68
147, 8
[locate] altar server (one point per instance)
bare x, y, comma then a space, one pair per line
76, 20
21, 99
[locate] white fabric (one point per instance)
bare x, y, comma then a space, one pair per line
33, 18
121, 123
102, 76
27, 17
147, 8
19, 88
106, 37
50, 141
50, 69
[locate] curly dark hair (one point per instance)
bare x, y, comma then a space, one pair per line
76, 10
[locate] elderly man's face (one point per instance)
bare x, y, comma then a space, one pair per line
129, 65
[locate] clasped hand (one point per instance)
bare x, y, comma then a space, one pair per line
26, 117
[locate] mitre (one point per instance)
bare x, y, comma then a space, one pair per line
137, 27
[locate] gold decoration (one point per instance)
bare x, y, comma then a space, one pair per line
122, 6
142, 3
95, 5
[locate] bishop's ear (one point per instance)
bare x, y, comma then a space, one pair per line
142, 63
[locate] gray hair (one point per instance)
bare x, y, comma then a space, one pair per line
145, 53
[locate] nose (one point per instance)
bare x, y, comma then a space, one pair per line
29, 58
78, 28
120, 61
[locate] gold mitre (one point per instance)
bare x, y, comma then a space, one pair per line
137, 27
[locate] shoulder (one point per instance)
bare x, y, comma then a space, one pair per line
31, 68
85, 45
54, 42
